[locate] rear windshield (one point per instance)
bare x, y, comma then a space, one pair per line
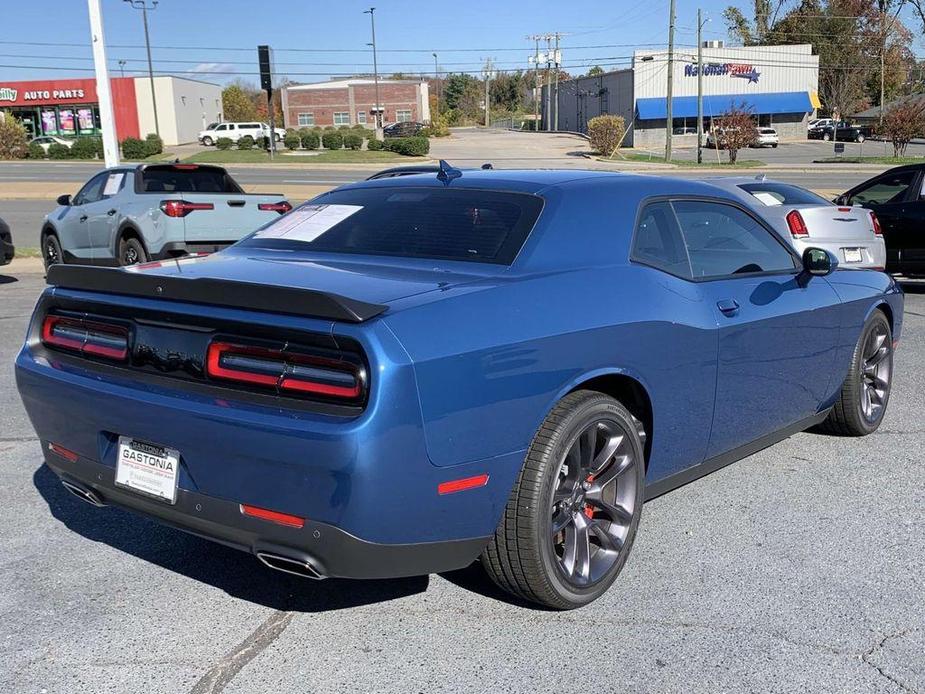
179, 179
441, 223
782, 194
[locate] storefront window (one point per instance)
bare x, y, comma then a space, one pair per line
49, 122
85, 118
66, 121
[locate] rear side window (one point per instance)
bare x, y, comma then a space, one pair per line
187, 179
658, 242
723, 240
782, 194
441, 223
886, 189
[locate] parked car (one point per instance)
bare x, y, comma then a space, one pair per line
233, 131
716, 138
767, 137
278, 133
841, 132
819, 123
132, 214
804, 220
407, 374
7, 250
896, 197
46, 141
402, 129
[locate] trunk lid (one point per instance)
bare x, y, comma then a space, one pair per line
831, 223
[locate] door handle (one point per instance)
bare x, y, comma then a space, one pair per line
729, 307
111, 212
83, 218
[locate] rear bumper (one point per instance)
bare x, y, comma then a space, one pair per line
178, 249
331, 551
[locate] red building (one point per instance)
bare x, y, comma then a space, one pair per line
353, 101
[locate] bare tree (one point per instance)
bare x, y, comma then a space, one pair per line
902, 122
735, 130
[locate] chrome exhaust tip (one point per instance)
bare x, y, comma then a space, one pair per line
290, 565
83, 493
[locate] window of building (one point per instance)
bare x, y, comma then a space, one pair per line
306, 119
403, 115
361, 117
341, 118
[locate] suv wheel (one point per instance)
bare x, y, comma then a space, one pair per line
207, 141
572, 517
131, 252
51, 250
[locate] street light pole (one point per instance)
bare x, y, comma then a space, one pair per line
669, 125
122, 67
372, 21
699, 88
143, 6
103, 90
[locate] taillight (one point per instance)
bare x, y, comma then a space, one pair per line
281, 207
878, 230
273, 516
86, 337
796, 224
285, 370
181, 208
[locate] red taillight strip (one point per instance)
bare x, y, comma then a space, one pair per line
215, 368
65, 453
181, 208
878, 230
281, 207
90, 330
272, 516
462, 484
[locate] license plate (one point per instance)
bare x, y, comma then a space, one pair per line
148, 468
852, 255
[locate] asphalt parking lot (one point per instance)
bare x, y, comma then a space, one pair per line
801, 568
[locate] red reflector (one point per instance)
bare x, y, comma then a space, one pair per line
876, 224
281, 207
181, 208
273, 516
796, 224
462, 485
186, 167
844, 209
85, 337
65, 453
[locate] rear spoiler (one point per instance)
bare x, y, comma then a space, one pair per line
206, 290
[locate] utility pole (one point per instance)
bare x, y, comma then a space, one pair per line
547, 111
103, 90
378, 110
122, 67
143, 6
555, 111
536, 77
436, 82
699, 88
486, 73
669, 126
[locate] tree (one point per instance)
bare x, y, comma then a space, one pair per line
606, 134
735, 130
14, 139
237, 104
595, 71
902, 122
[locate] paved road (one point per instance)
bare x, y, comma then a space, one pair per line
798, 569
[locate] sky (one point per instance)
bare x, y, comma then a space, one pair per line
215, 40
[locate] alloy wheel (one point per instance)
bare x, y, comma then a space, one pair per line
51, 252
875, 373
593, 503
129, 256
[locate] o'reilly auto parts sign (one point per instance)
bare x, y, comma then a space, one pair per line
7, 94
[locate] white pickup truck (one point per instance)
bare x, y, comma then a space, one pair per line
235, 131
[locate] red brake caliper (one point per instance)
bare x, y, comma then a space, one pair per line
589, 510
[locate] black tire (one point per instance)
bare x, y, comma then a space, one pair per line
51, 250
207, 141
524, 557
826, 137
867, 380
860, 139
131, 251
774, 146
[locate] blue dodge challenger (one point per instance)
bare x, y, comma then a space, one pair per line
405, 375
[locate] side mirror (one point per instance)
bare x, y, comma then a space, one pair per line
841, 200
64, 200
818, 262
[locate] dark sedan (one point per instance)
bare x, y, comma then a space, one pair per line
403, 129
6, 243
840, 132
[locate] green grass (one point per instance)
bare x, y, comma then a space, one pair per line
28, 252
870, 160
256, 156
707, 164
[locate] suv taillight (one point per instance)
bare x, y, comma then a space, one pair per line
796, 224
181, 208
85, 337
286, 371
878, 230
281, 207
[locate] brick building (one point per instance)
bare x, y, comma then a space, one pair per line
353, 101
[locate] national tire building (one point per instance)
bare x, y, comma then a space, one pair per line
778, 84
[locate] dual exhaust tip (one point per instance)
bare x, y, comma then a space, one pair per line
280, 562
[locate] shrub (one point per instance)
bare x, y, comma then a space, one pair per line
329, 128
56, 151
332, 140
358, 126
86, 147
155, 144
439, 126
310, 140
246, 142
35, 151
224, 143
416, 146
606, 134
263, 142
14, 140
132, 148
343, 127
353, 141
374, 145
292, 141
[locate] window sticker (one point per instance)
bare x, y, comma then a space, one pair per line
113, 183
768, 199
309, 222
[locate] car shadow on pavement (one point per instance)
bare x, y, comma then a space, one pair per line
239, 574
8, 279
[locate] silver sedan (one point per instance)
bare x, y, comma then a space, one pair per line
805, 219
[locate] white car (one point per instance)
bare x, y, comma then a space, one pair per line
233, 131
767, 137
46, 141
278, 133
819, 123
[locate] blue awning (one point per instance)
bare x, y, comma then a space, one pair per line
717, 105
